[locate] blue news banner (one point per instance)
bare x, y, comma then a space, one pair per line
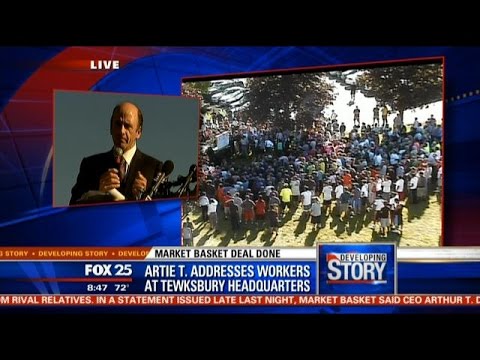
338, 275
153, 277
162, 273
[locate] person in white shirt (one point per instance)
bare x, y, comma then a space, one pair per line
364, 195
378, 205
237, 200
413, 188
378, 184
332, 179
397, 122
421, 186
269, 146
338, 193
306, 200
187, 232
432, 158
439, 184
339, 162
203, 203
439, 177
295, 186
372, 192
327, 198
333, 116
400, 170
393, 200
316, 212
212, 213
386, 188
415, 123
394, 158
269, 189
400, 188
428, 174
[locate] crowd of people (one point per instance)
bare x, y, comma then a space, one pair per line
327, 169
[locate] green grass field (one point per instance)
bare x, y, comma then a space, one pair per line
422, 228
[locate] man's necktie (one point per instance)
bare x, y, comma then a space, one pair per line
122, 167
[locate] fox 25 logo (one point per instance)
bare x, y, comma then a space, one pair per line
357, 269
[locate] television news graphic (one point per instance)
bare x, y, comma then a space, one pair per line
254, 278
357, 269
104, 64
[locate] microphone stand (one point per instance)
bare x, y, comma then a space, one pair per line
159, 179
186, 183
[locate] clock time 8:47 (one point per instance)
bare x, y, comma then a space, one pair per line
97, 287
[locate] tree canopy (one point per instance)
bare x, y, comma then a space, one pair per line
274, 98
198, 90
403, 87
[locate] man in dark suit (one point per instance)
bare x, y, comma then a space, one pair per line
124, 168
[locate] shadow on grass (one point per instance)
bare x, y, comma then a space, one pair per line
368, 217
204, 239
310, 239
199, 229
287, 217
302, 225
392, 236
252, 235
225, 240
270, 238
266, 236
416, 211
361, 222
339, 224
354, 223
323, 221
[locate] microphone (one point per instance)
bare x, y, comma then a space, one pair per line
166, 170
117, 195
117, 151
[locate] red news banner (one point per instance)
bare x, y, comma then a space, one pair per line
74, 253
240, 300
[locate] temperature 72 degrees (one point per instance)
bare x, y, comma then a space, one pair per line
121, 287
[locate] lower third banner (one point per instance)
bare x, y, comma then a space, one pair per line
240, 300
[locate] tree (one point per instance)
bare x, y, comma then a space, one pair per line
198, 90
275, 98
403, 87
